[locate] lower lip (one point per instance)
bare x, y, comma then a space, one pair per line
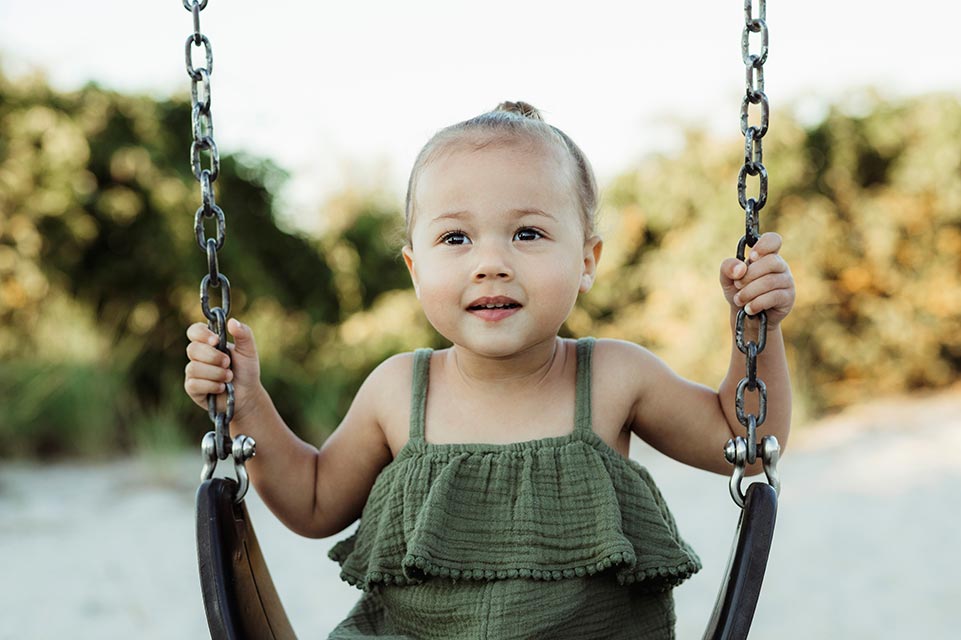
493, 315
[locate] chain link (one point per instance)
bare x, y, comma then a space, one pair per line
217, 444
744, 450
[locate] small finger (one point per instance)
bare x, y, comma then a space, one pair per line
761, 286
733, 269
768, 243
763, 266
199, 332
202, 371
204, 387
206, 353
767, 301
738, 270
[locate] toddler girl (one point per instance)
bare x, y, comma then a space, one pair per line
492, 480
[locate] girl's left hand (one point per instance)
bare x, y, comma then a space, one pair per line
764, 284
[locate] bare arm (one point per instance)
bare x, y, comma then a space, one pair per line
314, 492
317, 493
691, 422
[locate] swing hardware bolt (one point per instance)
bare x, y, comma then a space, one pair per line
208, 448
246, 448
736, 452
771, 454
730, 452
242, 449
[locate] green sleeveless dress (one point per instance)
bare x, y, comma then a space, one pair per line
555, 538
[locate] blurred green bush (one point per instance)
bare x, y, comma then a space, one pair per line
868, 201
100, 271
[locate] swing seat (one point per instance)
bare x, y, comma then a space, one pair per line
241, 601
239, 596
737, 599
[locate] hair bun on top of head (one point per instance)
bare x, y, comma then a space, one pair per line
521, 109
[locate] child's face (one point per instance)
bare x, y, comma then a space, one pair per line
499, 226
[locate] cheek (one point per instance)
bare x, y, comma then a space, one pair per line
559, 283
440, 302
438, 286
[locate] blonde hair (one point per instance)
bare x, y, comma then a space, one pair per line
508, 123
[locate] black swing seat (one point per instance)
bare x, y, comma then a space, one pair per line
737, 599
239, 595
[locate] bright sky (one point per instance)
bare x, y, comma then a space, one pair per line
348, 92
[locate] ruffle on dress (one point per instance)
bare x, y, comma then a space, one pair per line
548, 509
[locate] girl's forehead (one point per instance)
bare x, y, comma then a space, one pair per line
501, 176
532, 153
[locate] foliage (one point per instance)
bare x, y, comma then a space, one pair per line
99, 267
869, 205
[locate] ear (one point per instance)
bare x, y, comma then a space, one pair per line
592, 255
408, 253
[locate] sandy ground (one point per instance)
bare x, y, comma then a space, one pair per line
866, 544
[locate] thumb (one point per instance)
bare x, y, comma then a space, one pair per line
732, 269
244, 344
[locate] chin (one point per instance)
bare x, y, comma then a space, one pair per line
499, 346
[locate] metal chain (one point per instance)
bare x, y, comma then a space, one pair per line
741, 451
217, 444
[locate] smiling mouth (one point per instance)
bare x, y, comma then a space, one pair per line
506, 305
493, 308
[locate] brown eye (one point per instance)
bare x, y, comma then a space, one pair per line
527, 234
455, 238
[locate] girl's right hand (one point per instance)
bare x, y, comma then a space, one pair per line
210, 369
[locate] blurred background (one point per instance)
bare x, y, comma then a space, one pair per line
320, 111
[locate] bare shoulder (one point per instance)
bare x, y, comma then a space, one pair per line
388, 373
632, 369
387, 390
389, 384
622, 375
680, 418
623, 360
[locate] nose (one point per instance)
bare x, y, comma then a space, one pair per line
492, 264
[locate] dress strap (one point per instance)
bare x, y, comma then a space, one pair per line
418, 393
583, 420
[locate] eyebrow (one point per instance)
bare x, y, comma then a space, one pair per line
525, 211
